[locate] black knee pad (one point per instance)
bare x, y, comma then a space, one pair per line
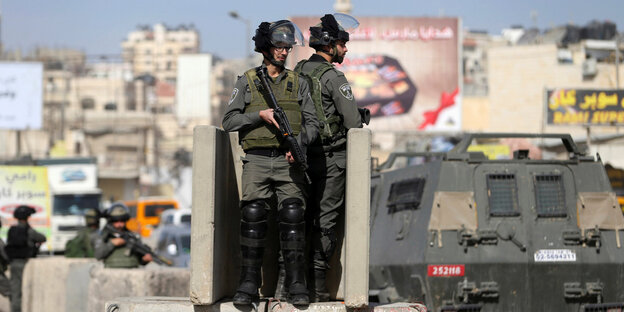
292, 211
254, 211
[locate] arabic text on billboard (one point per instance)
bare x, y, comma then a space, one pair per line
404, 69
25, 185
585, 107
21, 95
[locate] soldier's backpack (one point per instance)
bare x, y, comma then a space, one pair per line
328, 127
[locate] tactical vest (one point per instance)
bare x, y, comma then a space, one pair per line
286, 92
330, 128
121, 257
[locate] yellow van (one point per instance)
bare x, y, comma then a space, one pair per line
145, 213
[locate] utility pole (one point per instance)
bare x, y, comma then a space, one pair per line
617, 61
235, 15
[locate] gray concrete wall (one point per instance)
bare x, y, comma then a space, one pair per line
59, 284
215, 225
108, 284
44, 285
214, 236
357, 217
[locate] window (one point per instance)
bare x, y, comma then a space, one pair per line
110, 106
87, 103
406, 195
156, 210
502, 195
549, 195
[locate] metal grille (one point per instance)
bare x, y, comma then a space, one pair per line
502, 195
406, 195
461, 308
604, 307
549, 196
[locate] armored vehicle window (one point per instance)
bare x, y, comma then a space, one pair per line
502, 195
405, 195
549, 195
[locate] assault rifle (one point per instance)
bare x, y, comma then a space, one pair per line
282, 120
136, 245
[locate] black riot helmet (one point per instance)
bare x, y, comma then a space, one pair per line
23, 212
282, 33
117, 212
332, 27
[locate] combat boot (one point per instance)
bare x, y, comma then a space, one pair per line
252, 240
247, 290
320, 292
292, 242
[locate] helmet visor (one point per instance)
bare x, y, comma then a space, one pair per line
347, 22
285, 33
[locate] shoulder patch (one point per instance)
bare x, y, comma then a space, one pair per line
345, 90
234, 94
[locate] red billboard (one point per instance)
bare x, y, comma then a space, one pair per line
404, 69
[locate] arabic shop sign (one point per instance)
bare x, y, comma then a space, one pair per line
594, 107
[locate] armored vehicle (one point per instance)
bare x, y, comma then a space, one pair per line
463, 232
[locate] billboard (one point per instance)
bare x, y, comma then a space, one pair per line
25, 185
404, 69
21, 95
587, 107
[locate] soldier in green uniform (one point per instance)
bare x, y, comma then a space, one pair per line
82, 246
113, 250
337, 113
268, 167
22, 243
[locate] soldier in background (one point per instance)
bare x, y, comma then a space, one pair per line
268, 167
113, 250
22, 243
337, 112
82, 246
5, 285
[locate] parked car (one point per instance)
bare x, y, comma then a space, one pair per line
175, 217
145, 213
174, 242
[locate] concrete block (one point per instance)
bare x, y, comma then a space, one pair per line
215, 223
357, 219
178, 304
108, 284
43, 285
77, 286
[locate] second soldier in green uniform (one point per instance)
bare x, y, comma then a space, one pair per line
337, 113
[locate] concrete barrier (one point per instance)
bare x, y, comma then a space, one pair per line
108, 284
44, 285
59, 284
215, 224
166, 304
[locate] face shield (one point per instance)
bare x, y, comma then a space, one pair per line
347, 22
285, 33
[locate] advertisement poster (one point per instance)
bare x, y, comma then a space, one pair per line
585, 107
405, 70
21, 95
24, 185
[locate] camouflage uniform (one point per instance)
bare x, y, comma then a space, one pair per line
267, 173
